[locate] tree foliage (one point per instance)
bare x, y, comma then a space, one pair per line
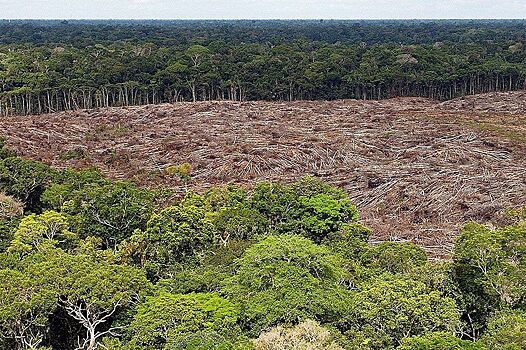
287, 278
439, 341
177, 234
174, 321
489, 269
48, 228
392, 308
24, 307
497, 258
308, 207
117, 64
506, 330
25, 180
395, 257
111, 211
91, 290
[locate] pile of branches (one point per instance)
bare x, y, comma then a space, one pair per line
494, 102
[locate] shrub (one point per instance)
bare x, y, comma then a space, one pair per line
183, 171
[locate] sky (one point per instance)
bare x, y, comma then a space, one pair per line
261, 9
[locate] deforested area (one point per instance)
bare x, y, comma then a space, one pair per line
417, 169
262, 185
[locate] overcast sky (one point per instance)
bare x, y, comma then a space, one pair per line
262, 9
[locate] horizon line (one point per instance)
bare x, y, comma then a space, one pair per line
265, 19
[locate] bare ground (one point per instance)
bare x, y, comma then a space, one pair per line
417, 169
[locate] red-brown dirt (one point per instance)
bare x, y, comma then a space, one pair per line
417, 169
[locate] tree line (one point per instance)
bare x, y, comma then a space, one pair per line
49, 78
91, 263
81, 33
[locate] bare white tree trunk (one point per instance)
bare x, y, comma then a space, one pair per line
90, 320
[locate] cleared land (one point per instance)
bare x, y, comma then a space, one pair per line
417, 169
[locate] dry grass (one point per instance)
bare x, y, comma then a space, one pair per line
417, 169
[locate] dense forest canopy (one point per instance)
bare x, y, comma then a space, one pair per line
48, 66
184, 32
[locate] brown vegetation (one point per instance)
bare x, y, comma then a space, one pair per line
308, 335
9, 207
493, 102
417, 169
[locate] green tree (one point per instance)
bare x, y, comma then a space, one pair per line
287, 278
111, 211
308, 207
218, 264
439, 341
175, 321
489, 268
391, 308
177, 234
24, 309
350, 241
68, 184
494, 260
394, 257
230, 214
91, 289
50, 228
198, 56
232, 217
25, 180
506, 330
7, 229
237, 223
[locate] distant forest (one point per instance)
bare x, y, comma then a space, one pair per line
49, 66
